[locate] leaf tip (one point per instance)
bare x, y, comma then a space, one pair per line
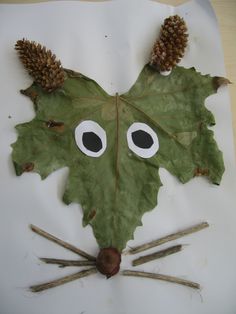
18, 168
30, 92
219, 81
66, 199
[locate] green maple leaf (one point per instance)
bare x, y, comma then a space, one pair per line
117, 188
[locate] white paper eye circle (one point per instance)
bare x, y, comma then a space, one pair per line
142, 140
91, 138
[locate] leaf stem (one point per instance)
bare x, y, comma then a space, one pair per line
147, 258
62, 243
168, 238
65, 263
172, 279
117, 145
63, 280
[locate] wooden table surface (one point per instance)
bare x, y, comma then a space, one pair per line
226, 13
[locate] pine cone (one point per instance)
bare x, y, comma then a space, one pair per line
169, 48
41, 64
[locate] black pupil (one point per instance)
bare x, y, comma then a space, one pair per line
142, 139
92, 142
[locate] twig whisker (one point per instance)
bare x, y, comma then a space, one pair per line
65, 262
63, 280
162, 277
159, 254
167, 238
62, 243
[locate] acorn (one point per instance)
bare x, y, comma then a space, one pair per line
170, 47
108, 261
41, 64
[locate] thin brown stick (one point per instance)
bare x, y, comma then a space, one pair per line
63, 280
172, 279
65, 262
62, 243
168, 238
148, 258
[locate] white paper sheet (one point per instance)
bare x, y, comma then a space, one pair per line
110, 42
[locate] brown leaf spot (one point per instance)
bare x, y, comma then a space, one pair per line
57, 126
200, 126
92, 214
201, 172
28, 167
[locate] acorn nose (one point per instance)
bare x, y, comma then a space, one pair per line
108, 261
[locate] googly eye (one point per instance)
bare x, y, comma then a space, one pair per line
91, 138
142, 140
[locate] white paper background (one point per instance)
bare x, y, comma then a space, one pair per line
111, 42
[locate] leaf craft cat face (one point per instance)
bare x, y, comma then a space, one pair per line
115, 145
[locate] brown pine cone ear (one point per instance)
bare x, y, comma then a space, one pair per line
170, 47
41, 64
